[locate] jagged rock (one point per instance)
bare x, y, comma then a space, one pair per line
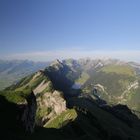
49, 105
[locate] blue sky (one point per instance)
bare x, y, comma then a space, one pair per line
49, 29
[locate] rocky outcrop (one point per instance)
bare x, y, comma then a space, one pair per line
50, 104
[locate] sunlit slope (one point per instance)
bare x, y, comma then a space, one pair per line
50, 102
13, 71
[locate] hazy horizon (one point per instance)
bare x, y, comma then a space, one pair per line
61, 59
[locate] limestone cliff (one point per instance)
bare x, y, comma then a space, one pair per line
49, 105
47, 101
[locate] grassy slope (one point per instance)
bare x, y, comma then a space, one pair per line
17, 93
83, 78
129, 73
13, 71
62, 119
134, 99
16, 97
119, 69
115, 78
30, 83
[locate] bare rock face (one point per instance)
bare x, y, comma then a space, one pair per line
50, 102
49, 105
40, 108
29, 113
43, 104
58, 102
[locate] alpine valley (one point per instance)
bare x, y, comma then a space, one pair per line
11, 71
81, 99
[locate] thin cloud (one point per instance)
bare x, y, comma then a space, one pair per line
63, 54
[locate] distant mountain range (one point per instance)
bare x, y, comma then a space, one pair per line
14, 70
79, 99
